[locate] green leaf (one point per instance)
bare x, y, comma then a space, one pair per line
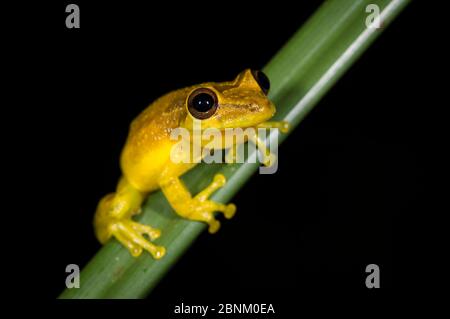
301, 73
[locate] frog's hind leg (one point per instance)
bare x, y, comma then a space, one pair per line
113, 218
199, 207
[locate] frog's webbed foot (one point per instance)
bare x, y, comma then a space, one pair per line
199, 207
268, 158
131, 235
113, 218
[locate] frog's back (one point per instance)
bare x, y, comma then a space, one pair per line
148, 145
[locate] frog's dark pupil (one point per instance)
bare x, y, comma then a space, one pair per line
262, 79
203, 102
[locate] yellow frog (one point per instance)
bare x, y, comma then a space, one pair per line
146, 163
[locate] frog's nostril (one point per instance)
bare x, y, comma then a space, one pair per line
262, 80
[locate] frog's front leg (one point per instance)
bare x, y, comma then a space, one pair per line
199, 207
113, 218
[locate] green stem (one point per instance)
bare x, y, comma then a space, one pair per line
301, 73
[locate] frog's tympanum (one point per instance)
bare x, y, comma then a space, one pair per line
146, 164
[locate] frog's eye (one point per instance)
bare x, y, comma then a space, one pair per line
202, 103
262, 80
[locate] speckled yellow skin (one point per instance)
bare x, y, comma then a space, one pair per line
146, 164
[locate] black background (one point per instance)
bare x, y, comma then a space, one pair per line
345, 174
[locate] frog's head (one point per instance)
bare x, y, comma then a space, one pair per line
239, 103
